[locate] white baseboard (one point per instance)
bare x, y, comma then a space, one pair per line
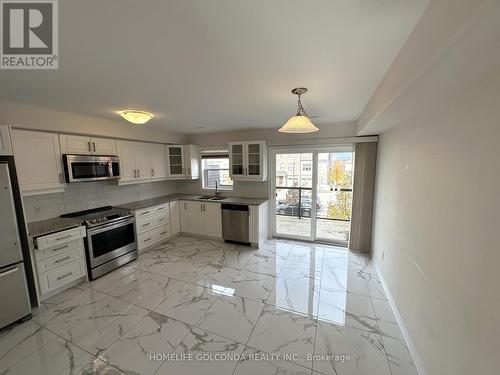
406, 335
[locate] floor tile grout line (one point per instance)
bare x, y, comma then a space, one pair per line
37, 349
81, 348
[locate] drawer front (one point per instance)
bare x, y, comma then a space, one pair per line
59, 260
150, 223
153, 237
61, 276
152, 211
56, 239
59, 249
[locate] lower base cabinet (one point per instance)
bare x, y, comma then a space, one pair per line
201, 218
153, 225
60, 260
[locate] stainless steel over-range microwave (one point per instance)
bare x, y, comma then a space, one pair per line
83, 168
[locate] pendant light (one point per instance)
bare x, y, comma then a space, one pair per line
300, 123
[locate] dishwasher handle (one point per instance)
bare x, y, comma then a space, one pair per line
234, 207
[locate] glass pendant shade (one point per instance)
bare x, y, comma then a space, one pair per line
298, 124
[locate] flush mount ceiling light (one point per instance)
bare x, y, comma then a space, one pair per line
136, 117
299, 123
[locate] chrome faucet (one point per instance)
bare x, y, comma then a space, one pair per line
217, 192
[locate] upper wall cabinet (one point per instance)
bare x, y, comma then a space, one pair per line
248, 161
38, 161
158, 161
134, 161
5, 145
81, 145
183, 161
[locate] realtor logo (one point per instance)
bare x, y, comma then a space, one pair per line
29, 34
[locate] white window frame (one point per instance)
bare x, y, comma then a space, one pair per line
208, 150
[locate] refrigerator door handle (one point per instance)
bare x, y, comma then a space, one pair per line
9, 271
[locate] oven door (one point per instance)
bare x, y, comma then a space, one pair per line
109, 241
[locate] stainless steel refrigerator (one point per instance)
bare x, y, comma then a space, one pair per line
14, 295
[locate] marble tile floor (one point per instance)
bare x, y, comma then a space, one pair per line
193, 306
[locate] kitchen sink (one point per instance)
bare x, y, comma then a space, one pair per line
217, 198
211, 198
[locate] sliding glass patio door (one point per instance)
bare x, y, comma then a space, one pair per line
293, 194
312, 193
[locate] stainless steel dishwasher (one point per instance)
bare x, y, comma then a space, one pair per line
235, 220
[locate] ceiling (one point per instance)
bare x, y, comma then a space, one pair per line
203, 66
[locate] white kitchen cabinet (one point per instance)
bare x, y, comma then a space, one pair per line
183, 216
152, 225
191, 162
83, 145
59, 260
175, 160
158, 161
5, 145
175, 220
183, 161
248, 161
126, 153
201, 218
196, 222
104, 146
134, 161
142, 161
212, 218
38, 161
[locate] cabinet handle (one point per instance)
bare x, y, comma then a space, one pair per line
152, 172
94, 146
138, 173
161, 219
64, 237
64, 276
162, 233
145, 213
90, 146
145, 225
61, 260
60, 248
147, 239
185, 205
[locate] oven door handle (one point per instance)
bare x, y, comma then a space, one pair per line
106, 227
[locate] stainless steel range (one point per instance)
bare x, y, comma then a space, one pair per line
111, 238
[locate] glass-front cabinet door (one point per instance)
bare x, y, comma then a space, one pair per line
254, 159
237, 159
175, 160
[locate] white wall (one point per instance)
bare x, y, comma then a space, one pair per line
83, 196
437, 217
37, 118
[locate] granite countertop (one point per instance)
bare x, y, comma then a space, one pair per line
56, 224
138, 205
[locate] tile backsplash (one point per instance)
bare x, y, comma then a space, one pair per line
84, 196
